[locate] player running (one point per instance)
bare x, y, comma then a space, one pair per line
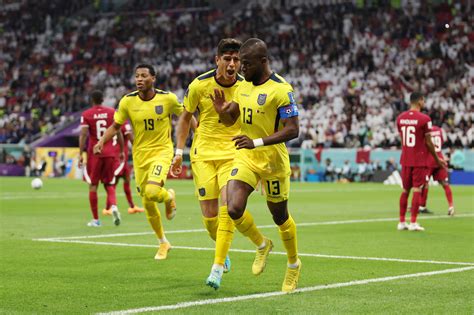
415, 130
268, 114
439, 174
149, 111
100, 167
213, 150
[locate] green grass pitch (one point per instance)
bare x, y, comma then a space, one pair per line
342, 229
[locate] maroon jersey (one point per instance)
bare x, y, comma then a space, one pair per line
438, 140
413, 126
98, 119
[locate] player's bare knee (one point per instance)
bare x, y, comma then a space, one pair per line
235, 212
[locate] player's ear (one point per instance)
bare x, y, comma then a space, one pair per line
216, 58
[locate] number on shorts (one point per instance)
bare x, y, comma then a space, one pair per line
408, 136
157, 170
273, 187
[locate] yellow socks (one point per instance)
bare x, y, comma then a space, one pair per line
154, 217
211, 226
225, 234
247, 227
288, 236
156, 193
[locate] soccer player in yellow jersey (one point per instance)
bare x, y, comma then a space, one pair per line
212, 152
149, 111
268, 114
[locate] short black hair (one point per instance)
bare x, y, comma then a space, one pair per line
97, 97
415, 97
228, 45
149, 67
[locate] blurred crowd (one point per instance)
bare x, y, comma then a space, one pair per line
352, 68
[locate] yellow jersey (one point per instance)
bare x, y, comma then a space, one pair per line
261, 107
212, 140
151, 123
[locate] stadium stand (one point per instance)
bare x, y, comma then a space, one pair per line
351, 71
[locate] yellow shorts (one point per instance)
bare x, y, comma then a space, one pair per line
276, 185
155, 170
209, 177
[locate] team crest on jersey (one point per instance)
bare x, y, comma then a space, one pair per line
202, 192
159, 109
234, 172
262, 98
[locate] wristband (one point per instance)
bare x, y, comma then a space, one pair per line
258, 142
179, 152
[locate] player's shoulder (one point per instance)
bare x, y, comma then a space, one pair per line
276, 78
206, 76
166, 96
282, 86
131, 94
129, 97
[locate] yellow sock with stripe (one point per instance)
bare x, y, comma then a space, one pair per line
247, 227
154, 218
156, 193
211, 226
225, 234
288, 236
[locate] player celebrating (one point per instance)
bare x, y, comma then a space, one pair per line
149, 111
414, 128
439, 174
101, 167
269, 116
213, 150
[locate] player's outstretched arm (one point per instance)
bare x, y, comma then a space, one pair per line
289, 131
431, 148
182, 131
109, 134
228, 111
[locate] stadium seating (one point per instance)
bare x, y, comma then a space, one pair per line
352, 68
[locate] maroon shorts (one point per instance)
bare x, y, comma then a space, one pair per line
439, 174
122, 169
413, 176
100, 169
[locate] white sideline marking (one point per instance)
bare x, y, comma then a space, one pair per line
275, 253
260, 227
278, 293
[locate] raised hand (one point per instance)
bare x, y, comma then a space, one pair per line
218, 100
